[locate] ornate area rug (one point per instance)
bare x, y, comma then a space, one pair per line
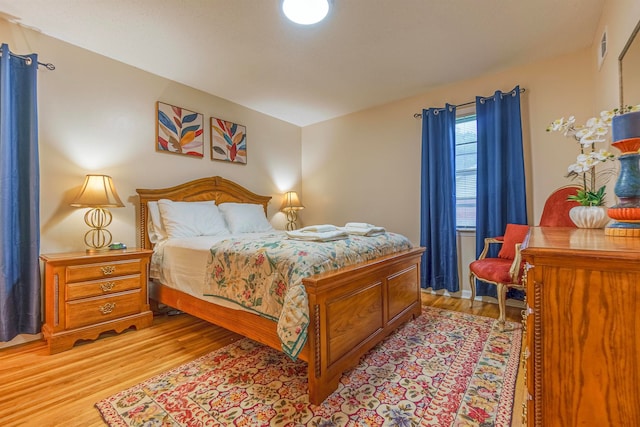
442, 369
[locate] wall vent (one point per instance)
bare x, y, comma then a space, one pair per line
602, 49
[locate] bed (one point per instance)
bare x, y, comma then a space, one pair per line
351, 309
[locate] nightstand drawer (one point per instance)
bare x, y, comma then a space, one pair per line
102, 287
83, 273
95, 310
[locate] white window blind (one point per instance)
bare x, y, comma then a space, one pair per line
466, 171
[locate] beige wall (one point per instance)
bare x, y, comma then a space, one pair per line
366, 166
619, 17
97, 115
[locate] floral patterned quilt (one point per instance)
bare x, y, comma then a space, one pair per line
265, 275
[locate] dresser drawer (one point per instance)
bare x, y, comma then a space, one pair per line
101, 287
83, 273
100, 309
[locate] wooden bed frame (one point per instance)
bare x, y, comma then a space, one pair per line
351, 309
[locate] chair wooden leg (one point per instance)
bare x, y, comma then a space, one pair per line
472, 283
502, 298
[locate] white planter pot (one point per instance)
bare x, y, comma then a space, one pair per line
589, 216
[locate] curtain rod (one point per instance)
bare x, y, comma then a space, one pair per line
28, 61
419, 115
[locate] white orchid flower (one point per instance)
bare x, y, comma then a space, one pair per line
578, 168
584, 131
569, 126
601, 155
559, 124
574, 168
593, 131
586, 162
589, 137
592, 122
607, 116
556, 124
601, 130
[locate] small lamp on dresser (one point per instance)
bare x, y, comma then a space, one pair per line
97, 193
291, 205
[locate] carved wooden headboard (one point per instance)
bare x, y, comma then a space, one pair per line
213, 188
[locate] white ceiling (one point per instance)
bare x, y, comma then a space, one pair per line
366, 53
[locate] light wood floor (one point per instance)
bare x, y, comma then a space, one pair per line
38, 389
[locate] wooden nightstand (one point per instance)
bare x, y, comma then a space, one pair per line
90, 293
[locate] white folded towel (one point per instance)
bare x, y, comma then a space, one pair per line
358, 225
325, 236
323, 228
363, 229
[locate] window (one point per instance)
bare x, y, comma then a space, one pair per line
466, 171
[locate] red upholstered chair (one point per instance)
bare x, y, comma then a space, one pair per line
556, 209
505, 271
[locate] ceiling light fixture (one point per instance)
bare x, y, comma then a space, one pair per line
305, 12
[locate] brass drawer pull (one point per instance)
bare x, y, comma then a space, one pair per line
106, 287
108, 269
107, 308
523, 360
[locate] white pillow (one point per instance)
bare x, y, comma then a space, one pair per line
245, 218
155, 229
190, 219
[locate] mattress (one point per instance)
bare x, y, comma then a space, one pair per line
181, 264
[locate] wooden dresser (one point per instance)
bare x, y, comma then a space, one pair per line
582, 327
90, 293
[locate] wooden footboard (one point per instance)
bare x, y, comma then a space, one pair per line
353, 309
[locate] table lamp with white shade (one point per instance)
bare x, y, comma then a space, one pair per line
97, 193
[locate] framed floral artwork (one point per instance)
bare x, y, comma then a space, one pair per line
228, 141
179, 131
